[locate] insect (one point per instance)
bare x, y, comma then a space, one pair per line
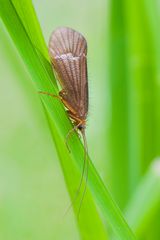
68, 53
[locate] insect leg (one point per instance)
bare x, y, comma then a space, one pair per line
68, 135
75, 127
50, 94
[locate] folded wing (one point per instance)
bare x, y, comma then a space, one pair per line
68, 50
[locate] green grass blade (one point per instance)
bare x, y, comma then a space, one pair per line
34, 32
85, 223
118, 136
152, 9
145, 202
141, 87
72, 176
41, 75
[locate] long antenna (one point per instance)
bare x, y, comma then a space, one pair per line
87, 166
83, 171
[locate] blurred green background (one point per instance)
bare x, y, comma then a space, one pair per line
123, 127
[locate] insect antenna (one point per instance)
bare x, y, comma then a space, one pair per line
87, 166
83, 171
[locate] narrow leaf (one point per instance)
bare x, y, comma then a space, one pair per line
43, 80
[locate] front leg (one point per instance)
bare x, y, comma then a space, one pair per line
50, 94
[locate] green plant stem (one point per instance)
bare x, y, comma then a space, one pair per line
36, 58
40, 72
145, 202
33, 32
152, 8
141, 87
118, 131
71, 172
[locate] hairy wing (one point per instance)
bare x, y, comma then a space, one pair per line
68, 49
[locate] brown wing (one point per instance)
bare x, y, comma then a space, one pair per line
68, 50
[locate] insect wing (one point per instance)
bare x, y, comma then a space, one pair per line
68, 50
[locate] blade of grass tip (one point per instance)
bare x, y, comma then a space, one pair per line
118, 136
42, 80
144, 204
141, 87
